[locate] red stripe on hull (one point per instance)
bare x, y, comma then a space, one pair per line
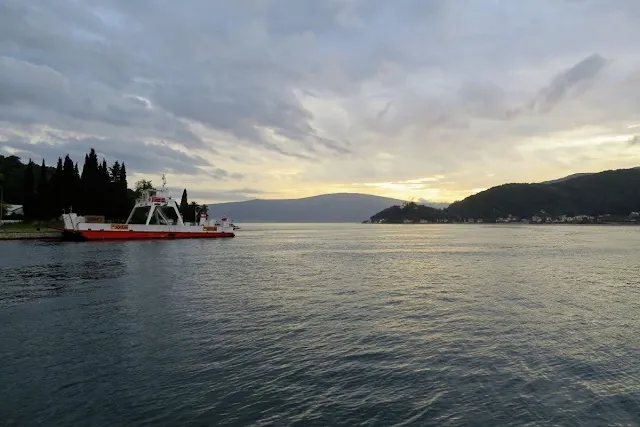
140, 235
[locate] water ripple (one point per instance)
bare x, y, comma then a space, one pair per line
325, 325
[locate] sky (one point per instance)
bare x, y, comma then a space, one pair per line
427, 100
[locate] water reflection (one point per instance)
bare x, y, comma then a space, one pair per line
32, 270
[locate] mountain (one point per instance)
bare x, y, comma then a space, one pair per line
615, 192
566, 178
337, 207
575, 175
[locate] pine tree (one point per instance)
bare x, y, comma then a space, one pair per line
28, 191
123, 196
184, 203
85, 167
55, 189
115, 171
42, 196
69, 185
123, 176
192, 211
91, 189
105, 203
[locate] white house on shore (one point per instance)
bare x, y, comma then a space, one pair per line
14, 210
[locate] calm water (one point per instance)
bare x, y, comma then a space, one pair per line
325, 325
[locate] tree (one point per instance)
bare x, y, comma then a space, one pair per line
3, 206
123, 176
184, 203
56, 189
68, 184
91, 185
125, 202
28, 191
42, 195
142, 185
13, 171
115, 171
191, 212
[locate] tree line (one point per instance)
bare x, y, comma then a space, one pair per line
45, 192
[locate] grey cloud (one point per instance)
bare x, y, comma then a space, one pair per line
212, 196
23, 82
139, 157
560, 87
635, 140
451, 74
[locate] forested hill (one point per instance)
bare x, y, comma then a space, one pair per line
615, 192
409, 211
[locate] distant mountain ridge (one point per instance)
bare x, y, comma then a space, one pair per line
566, 178
578, 175
336, 207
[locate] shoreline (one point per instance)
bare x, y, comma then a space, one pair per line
30, 235
509, 223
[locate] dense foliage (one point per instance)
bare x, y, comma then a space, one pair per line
615, 192
409, 211
44, 192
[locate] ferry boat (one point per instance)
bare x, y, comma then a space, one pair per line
154, 216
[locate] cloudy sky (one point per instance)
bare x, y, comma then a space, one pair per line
422, 99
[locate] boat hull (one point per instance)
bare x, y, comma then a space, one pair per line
85, 235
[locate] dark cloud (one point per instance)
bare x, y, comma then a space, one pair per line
575, 77
213, 196
147, 158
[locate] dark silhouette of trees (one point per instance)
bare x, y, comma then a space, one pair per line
142, 185
45, 193
42, 196
409, 211
184, 202
28, 191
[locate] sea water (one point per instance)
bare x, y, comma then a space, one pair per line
328, 325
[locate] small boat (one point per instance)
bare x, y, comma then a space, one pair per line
154, 216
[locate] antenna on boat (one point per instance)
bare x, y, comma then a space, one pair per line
164, 182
